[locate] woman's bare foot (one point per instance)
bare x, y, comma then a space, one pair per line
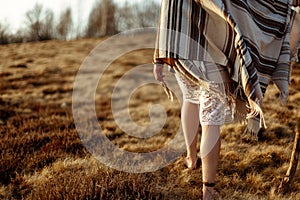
190, 162
209, 193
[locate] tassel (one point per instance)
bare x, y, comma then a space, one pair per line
167, 91
256, 121
256, 110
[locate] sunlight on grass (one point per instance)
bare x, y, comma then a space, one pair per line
42, 156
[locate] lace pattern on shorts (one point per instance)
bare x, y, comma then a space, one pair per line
213, 109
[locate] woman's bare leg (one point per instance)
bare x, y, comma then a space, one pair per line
210, 152
190, 125
295, 34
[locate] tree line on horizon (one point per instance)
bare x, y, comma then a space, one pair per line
105, 18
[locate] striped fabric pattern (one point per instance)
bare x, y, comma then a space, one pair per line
249, 37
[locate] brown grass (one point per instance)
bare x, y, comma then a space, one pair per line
42, 156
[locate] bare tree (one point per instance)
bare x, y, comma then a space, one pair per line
47, 32
105, 19
138, 15
34, 21
109, 24
94, 22
18, 37
147, 14
101, 19
125, 17
4, 35
40, 23
65, 24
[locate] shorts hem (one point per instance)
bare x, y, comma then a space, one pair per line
212, 123
192, 101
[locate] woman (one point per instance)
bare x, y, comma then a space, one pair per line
224, 53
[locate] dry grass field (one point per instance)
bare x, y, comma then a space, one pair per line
42, 156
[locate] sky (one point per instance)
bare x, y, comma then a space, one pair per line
12, 12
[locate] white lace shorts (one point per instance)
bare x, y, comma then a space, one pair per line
213, 109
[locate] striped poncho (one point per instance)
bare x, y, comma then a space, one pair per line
249, 37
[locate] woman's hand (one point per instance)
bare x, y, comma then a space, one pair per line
158, 72
159, 76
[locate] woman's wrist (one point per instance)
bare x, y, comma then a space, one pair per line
155, 62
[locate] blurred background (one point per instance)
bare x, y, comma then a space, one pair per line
38, 20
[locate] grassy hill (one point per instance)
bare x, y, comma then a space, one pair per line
42, 156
